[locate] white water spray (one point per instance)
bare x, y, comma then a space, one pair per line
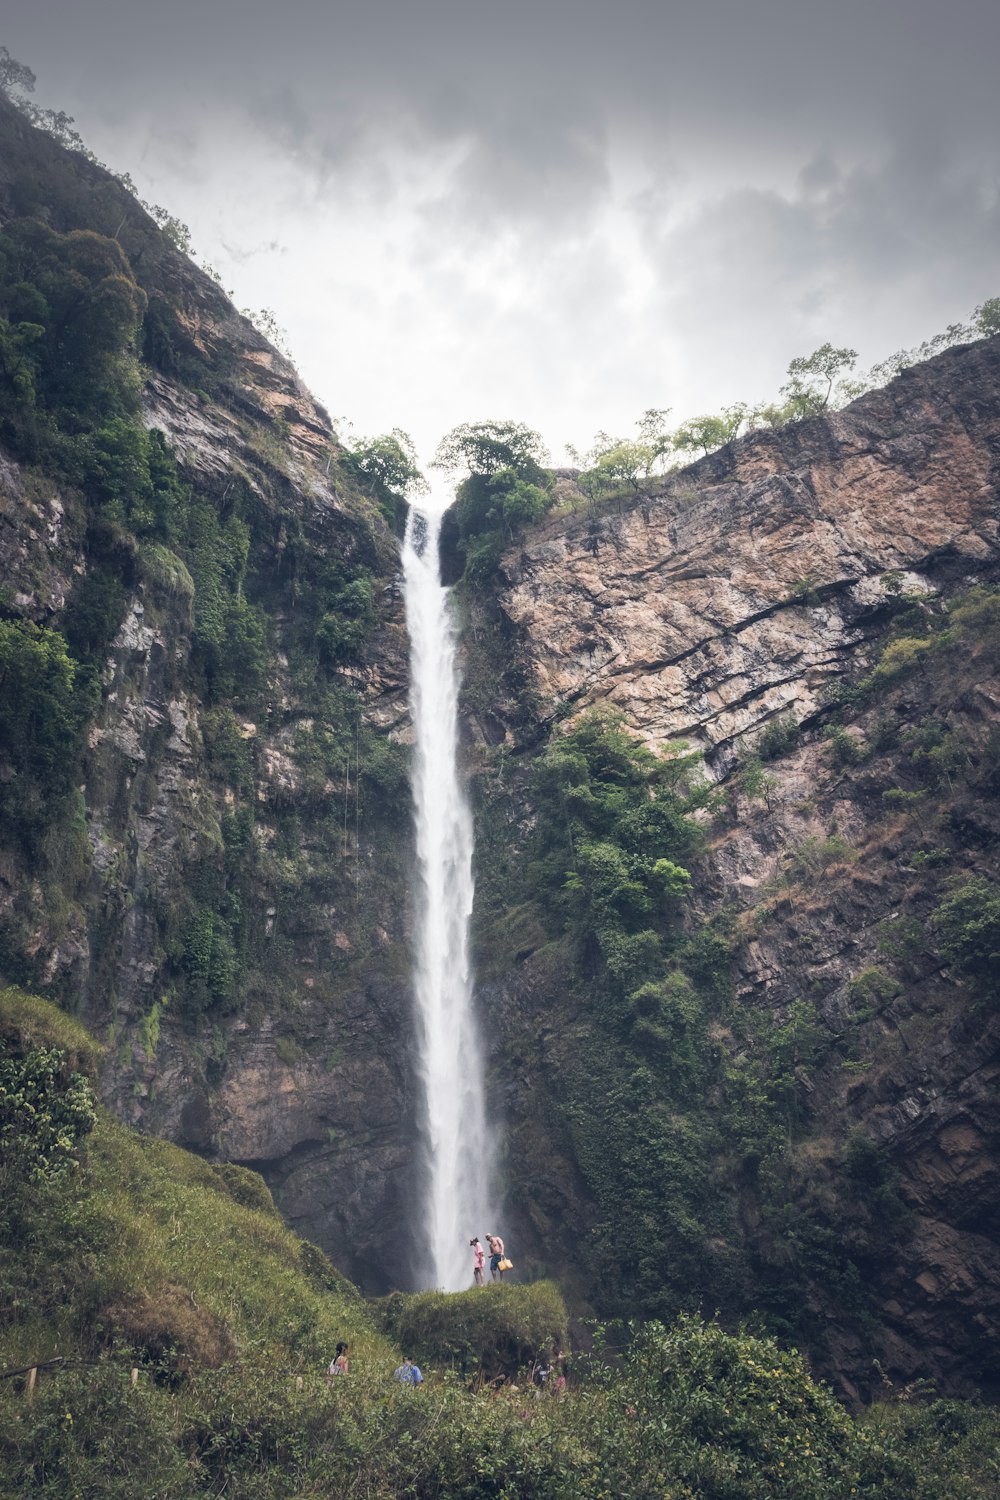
459, 1197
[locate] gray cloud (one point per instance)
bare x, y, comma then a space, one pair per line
560, 209
725, 75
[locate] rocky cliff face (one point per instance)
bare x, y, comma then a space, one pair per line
737, 591
738, 606
226, 903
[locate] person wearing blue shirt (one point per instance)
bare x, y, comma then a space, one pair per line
409, 1373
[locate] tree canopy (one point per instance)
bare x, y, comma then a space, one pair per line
488, 447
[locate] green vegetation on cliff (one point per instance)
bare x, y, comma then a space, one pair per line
709, 1178
504, 488
817, 382
254, 620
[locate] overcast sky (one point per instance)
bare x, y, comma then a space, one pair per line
561, 211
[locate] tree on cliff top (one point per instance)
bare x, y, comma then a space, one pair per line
16, 82
505, 486
711, 432
386, 466
15, 77
488, 447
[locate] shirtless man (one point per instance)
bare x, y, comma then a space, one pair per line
496, 1255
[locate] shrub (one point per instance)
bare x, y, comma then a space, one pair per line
707, 958
246, 1187
94, 613
900, 657
694, 1411
778, 738
932, 859
167, 1329
968, 924
753, 782
45, 1111
872, 986
39, 724
493, 1330
899, 797
939, 754
70, 310
803, 591
345, 625
900, 939
612, 829
670, 1022
814, 855
210, 961
846, 749
229, 750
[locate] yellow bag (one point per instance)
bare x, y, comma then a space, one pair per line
505, 1265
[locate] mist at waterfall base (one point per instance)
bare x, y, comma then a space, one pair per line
458, 1200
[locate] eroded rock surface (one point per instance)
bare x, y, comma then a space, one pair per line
736, 594
736, 591
303, 1071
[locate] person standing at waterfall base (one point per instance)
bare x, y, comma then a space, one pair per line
478, 1260
496, 1255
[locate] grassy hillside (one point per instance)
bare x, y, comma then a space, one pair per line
145, 1247
122, 1254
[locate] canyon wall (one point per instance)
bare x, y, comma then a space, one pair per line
224, 902
783, 605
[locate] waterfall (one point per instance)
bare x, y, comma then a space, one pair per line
458, 1196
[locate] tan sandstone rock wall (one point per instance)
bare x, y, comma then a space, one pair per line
740, 592
735, 591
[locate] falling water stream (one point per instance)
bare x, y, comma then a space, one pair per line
458, 1165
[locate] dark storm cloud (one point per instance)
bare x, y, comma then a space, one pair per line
531, 81
645, 203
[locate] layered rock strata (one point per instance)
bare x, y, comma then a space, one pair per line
737, 590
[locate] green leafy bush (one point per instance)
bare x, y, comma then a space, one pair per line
670, 1022
779, 737
968, 925
69, 312
694, 1411
873, 986
347, 622
45, 1111
845, 748
613, 825
901, 657
210, 962
40, 725
498, 1329
815, 855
